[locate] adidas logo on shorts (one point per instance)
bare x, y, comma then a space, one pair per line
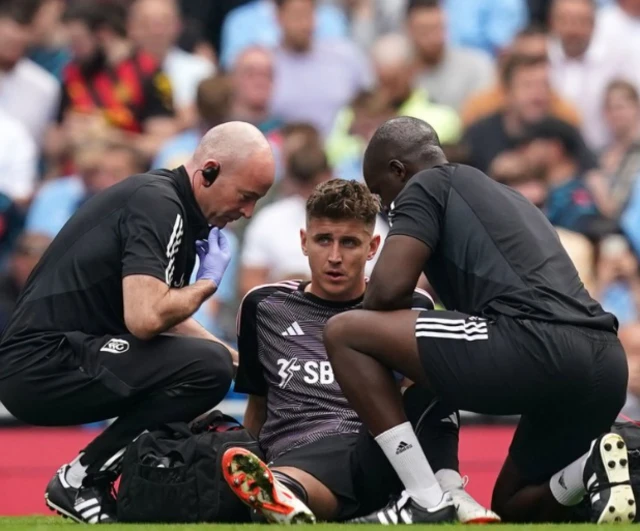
403, 446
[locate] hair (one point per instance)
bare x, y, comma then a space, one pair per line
139, 160
307, 163
625, 86
22, 12
422, 4
108, 14
213, 100
517, 62
371, 102
532, 30
301, 128
340, 200
282, 3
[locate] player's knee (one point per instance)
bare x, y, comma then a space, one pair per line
215, 370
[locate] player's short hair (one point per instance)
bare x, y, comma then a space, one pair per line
341, 199
213, 100
21, 12
518, 62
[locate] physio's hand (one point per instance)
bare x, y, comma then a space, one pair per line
214, 255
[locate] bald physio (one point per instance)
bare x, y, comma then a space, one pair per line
103, 328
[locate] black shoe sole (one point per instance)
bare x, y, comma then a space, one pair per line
621, 506
60, 511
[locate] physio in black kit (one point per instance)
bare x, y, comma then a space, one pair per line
103, 328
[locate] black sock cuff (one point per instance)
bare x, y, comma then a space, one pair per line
293, 485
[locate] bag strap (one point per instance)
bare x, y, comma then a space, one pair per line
213, 421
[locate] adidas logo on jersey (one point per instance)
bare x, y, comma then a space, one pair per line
403, 447
293, 330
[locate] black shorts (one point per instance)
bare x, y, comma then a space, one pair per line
568, 382
77, 378
352, 466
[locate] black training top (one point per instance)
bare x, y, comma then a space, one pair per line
145, 225
493, 252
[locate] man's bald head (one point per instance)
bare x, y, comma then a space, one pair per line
247, 169
400, 148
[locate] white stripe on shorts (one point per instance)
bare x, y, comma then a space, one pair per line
443, 328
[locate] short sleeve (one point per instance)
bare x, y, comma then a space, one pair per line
152, 228
250, 374
158, 97
419, 209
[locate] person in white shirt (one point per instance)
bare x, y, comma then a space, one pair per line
582, 66
155, 26
619, 22
18, 159
27, 92
271, 247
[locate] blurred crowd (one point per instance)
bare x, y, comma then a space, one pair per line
543, 95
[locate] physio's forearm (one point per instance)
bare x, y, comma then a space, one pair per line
177, 305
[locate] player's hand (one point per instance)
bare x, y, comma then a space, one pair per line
214, 255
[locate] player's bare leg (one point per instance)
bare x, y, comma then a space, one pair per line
362, 347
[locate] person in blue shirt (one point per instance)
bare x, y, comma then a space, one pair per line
256, 23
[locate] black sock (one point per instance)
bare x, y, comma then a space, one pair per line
293, 485
437, 426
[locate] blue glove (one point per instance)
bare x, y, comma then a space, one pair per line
214, 255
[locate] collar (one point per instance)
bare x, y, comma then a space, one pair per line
325, 302
195, 217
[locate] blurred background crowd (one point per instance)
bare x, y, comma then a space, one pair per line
543, 95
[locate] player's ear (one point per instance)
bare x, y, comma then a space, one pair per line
374, 245
303, 241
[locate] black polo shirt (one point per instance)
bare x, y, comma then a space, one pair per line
145, 225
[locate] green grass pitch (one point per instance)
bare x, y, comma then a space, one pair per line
51, 523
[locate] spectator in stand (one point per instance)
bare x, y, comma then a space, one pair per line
512, 169
28, 250
354, 127
528, 100
213, 100
487, 25
553, 148
48, 47
257, 24
155, 26
252, 85
393, 57
99, 166
314, 78
618, 279
620, 161
29, 93
449, 74
530, 42
619, 22
18, 160
582, 67
110, 88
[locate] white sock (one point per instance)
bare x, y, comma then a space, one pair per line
403, 451
76, 473
449, 479
567, 486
